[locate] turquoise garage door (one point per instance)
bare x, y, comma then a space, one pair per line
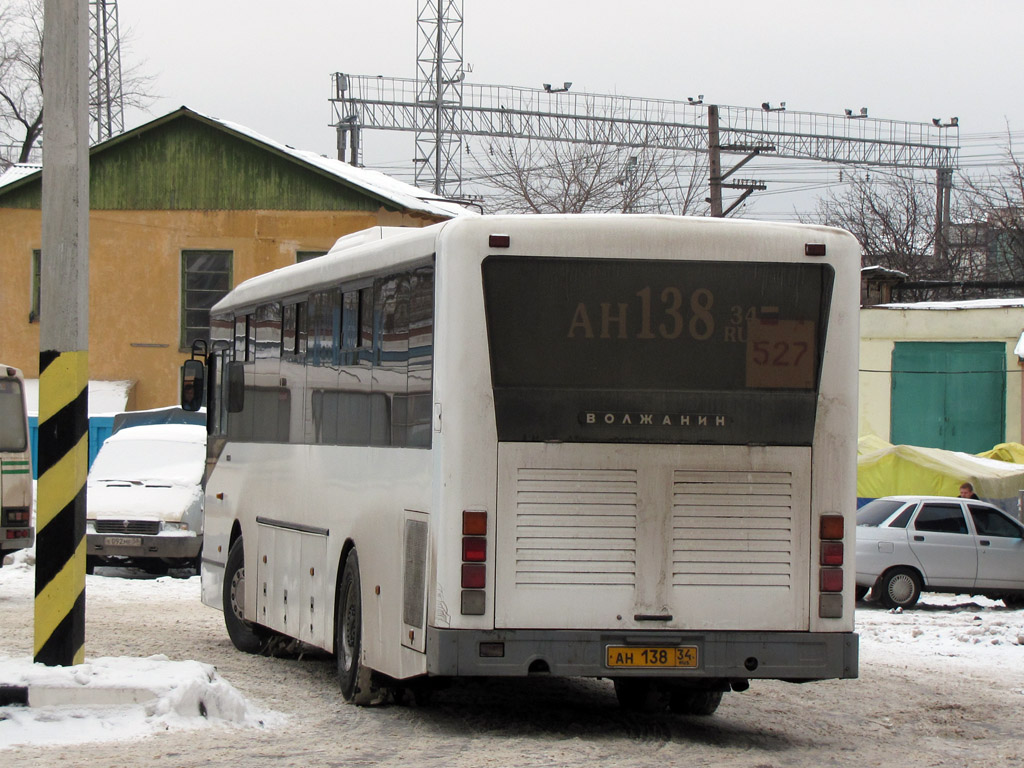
949, 395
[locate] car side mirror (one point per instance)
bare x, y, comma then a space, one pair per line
193, 385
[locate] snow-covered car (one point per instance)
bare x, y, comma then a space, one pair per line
145, 498
906, 544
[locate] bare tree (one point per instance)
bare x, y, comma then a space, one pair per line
21, 81
892, 215
532, 176
997, 204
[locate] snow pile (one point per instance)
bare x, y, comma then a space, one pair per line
174, 695
154, 694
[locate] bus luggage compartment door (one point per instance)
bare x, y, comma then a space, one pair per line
652, 536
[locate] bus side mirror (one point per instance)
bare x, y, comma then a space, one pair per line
193, 385
235, 373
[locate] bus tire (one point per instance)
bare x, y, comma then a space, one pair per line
899, 588
245, 636
357, 684
638, 694
689, 701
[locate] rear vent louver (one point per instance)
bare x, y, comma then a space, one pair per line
732, 528
576, 526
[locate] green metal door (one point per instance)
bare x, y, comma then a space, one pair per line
949, 395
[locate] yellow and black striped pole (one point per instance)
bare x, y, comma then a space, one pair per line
63, 339
60, 507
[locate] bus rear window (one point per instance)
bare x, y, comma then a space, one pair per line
12, 417
655, 351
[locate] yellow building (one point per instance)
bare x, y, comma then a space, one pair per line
183, 209
942, 374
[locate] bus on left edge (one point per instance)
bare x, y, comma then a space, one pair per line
15, 465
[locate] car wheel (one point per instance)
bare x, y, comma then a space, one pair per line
246, 636
1013, 601
860, 592
900, 588
357, 684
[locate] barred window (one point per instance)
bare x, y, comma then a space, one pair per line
205, 280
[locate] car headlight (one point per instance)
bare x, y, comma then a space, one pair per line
175, 526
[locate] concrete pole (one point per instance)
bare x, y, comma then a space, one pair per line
715, 162
63, 338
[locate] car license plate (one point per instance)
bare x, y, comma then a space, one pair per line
122, 541
632, 656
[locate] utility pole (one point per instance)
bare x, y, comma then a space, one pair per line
714, 161
943, 193
63, 339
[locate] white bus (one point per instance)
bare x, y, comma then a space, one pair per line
15, 465
603, 446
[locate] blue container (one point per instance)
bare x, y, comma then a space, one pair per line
100, 428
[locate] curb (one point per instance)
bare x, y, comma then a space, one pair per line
44, 696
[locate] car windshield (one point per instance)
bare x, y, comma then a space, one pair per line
150, 460
876, 512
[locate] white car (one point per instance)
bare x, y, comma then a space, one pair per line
145, 498
906, 544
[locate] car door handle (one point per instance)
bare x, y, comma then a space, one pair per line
919, 538
985, 543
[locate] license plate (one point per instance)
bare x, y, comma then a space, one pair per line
632, 656
122, 541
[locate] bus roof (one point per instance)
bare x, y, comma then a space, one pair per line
365, 253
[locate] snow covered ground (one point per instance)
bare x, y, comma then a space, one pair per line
937, 683
171, 694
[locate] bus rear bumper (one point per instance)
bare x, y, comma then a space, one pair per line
793, 656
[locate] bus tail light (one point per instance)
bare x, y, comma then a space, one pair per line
474, 562
833, 527
831, 530
474, 549
831, 553
18, 517
831, 579
474, 576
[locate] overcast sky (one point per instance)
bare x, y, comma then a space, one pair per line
267, 65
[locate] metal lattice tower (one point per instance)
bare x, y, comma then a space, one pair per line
106, 97
439, 75
442, 109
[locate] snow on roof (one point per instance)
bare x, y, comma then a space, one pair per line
401, 194
879, 270
105, 397
405, 195
18, 171
956, 305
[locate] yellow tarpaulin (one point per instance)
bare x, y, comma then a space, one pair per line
1011, 452
907, 470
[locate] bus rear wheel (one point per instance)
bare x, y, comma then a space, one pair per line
245, 636
357, 684
689, 701
638, 694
